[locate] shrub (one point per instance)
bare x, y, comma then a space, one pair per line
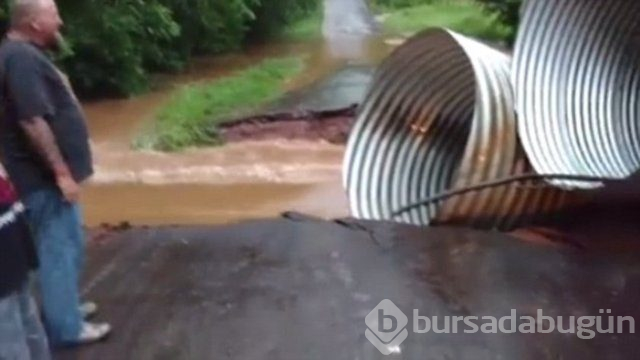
112, 46
508, 13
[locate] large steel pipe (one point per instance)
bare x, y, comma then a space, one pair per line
439, 116
577, 80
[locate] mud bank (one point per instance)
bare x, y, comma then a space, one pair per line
329, 125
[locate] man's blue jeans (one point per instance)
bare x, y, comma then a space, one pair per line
21, 333
59, 238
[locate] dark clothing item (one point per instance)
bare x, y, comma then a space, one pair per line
17, 251
32, 86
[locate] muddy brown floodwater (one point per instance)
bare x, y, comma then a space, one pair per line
243, 180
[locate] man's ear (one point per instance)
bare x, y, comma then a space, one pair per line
33, 24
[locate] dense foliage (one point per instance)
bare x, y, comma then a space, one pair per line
114, 44
396, 4
192, 116
508, 13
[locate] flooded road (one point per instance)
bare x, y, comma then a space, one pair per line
238, 181
217, 185
196, 204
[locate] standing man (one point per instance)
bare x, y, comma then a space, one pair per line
45, 148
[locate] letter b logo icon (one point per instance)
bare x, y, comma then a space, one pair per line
386, 320
386, 327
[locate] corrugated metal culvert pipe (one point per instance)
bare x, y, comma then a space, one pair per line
440, 116
577, 82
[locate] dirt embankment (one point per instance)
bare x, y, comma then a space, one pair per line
331, 125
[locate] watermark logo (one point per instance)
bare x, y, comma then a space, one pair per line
386, 327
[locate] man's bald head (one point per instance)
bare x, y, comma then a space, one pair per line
38, 20
24, 11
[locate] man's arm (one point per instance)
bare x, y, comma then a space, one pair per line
42, 138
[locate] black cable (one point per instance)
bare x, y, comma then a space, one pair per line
496, 183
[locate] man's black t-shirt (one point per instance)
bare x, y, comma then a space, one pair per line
31, 86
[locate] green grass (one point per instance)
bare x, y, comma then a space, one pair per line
305, 29
463, 16
191, 116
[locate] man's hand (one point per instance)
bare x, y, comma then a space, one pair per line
69, 188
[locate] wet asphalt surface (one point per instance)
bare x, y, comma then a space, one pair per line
345, 87
300, 288
348, 17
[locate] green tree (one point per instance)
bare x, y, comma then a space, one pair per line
271, 16
508, 11
113, 45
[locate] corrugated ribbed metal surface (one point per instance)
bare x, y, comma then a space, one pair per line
440, 115
415, 119
577, 81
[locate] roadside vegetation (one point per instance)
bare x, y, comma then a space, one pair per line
114, 46
307, 28
468, 17
490, 20
191, 117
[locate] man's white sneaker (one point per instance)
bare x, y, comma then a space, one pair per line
93, 332
88, 309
